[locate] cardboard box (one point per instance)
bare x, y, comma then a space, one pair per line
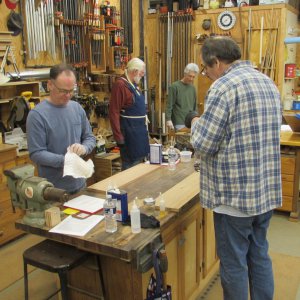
155, 153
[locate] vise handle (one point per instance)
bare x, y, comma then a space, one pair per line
55, 195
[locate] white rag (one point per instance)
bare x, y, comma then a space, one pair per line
76, 167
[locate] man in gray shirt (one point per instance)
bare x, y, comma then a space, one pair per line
58, 125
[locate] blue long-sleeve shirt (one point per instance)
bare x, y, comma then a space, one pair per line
238, 138
50, 131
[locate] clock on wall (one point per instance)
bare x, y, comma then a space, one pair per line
226, 20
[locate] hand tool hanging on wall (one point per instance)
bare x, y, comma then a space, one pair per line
5, 60
126, 23
261, 40
146, 79
249, 34
141, 24
39, 28
174, 40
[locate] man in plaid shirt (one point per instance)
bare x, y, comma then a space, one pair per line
238, 141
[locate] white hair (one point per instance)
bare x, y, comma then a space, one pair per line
191, 68
135, 64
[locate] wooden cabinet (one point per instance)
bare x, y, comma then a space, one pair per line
8, 156
210, 251
191, 251
106, 165
182, 241
290, 160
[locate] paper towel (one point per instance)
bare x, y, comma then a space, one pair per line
76, 167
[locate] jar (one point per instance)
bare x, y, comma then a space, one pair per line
149, 206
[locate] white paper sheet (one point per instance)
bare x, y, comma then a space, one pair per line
86, 203
77, 227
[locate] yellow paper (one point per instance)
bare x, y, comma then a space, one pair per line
70, 211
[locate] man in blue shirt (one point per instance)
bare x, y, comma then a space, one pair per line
238, 141
58, 125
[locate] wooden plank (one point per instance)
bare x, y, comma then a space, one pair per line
124, 177
182, 193
290, 138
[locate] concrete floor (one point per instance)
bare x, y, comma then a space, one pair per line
284, 237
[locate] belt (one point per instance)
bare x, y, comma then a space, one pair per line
133, 117
138, 117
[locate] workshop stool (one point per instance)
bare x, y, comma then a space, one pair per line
53, 257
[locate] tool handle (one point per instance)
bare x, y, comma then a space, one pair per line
55, 195
163, 264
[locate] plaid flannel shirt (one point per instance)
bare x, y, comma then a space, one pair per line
238, 139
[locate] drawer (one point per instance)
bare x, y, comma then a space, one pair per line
8, 232
4, 193
8, 216
287, 204
8, 155
288, 188
287, 177
288, 165
5, 166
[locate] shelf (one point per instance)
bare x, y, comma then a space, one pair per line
2, 101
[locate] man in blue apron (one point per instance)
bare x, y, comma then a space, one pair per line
127, 113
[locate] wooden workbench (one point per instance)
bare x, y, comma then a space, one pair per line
186, 232
290, 168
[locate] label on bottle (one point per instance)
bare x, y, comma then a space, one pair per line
110, 210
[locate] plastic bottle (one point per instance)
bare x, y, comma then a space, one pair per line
109, 208
162, 205
172, 158
135, 217
110, 187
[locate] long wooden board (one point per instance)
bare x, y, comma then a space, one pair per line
181, 193
124, 177
289, 138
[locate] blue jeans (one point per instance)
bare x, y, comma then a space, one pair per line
242, 247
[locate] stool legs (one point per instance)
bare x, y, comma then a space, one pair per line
25, 281
63, 284
100, 275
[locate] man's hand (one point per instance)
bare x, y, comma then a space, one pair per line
77, 149
189, 117
170, 125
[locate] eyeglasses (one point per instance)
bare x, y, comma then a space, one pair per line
203, 70
63, 91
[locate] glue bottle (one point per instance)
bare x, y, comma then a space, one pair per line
162, 205
135, 217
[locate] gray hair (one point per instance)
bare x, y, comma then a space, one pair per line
220, 48
191, 68
135, 64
